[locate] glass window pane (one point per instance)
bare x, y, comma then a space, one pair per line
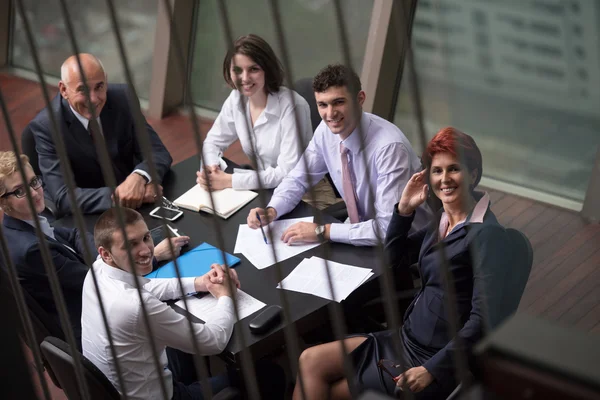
523, 78
94, 34
311, 34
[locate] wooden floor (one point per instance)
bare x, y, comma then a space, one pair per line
564, 285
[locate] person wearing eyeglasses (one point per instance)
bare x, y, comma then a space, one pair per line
466, 234
65, 244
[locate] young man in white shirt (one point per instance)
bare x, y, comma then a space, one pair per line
116, 282
368, 158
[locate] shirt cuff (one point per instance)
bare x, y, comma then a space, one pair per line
279, 205
226, 302
340, 233
243, 179
188, 285
144, 174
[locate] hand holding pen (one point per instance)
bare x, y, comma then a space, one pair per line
261, 228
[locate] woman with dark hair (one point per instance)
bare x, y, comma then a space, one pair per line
272, 122
467, 235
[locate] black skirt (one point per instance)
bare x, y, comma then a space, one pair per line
379, 345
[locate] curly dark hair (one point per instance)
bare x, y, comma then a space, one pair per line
260, 52
337, 75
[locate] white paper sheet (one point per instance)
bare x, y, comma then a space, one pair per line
204, 307
310, 276
250, 242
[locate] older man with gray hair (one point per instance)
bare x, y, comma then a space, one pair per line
112, 117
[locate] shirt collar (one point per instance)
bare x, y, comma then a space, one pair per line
44, 224
476, 216
353, 141
84, 121
118, 274
272, 107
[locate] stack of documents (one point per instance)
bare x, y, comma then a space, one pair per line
226, 201
204, 307
310, 276
251, 243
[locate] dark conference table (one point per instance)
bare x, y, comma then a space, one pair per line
306, 311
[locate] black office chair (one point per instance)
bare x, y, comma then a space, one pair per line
304, 88
59, 356
28, 148
520, 268
43, 324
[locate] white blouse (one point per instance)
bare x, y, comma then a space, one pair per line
274, 135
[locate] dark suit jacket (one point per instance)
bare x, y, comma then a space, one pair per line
93, 196
477, 258
26, 256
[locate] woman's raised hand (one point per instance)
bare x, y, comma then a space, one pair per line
414, 193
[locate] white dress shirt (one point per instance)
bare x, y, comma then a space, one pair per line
274, 135
85, 122
128, 328
385, 161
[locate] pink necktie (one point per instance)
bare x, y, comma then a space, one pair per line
349, 192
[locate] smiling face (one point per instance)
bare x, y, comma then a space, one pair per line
248, 76
339, 110
72, 87
18, 207
450, 181
142, 249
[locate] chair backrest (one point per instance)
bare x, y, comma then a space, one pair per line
304, 88
59, 356
43, 324
522, 263
28, 148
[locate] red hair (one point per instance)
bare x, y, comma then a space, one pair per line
460, 145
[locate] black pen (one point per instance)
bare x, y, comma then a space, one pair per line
261, 228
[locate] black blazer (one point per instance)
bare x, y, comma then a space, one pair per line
93, 196
26, 256
478, 261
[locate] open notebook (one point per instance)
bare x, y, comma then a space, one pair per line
227, 201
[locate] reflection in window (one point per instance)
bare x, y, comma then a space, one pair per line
311, 34
529, 93
94, 34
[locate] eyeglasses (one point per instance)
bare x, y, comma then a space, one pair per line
386, 365
20, 192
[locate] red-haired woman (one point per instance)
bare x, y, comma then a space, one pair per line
474, 246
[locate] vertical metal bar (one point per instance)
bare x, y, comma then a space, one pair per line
22, 309
46, 256
590, 209
5, 31
144, 143
386, 278
339, 325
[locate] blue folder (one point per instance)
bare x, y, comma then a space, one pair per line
195, 262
